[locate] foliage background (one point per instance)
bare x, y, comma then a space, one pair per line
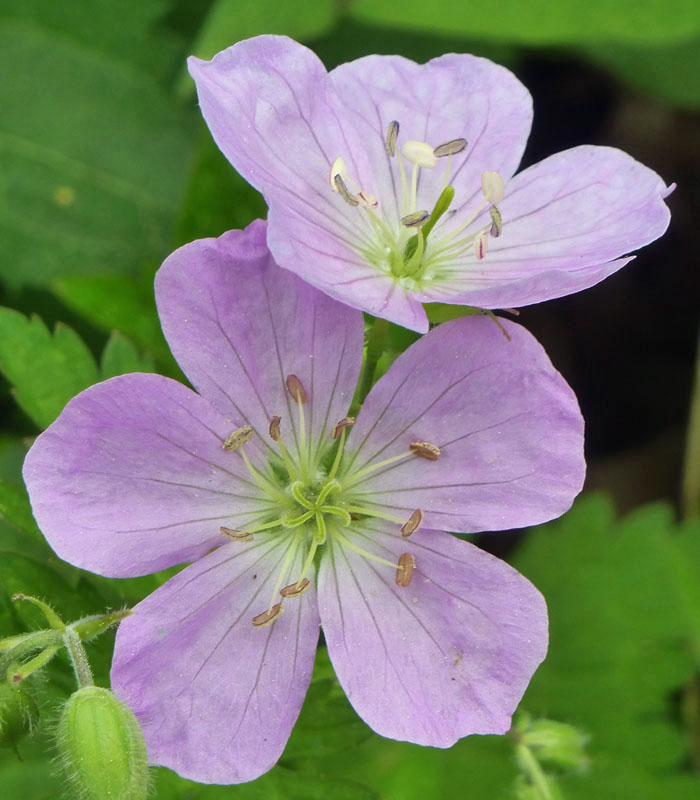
106, 166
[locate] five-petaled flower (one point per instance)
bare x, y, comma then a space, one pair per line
296, 515
389, 183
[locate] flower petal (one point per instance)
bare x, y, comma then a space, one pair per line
566, 222
448, 655
450, 97
508, 425
239, 326
216, 697
132, 478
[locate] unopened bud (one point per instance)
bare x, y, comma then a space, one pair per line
101, 747
19, 713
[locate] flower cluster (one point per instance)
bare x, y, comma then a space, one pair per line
293, 514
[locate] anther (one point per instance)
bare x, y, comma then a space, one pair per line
419, 153
412, 524
416, 219
492, 186
425, 450
346, 422
407, 563
344, 192
392, 135
238, 438
338, 168
367, 200
481, 245
261, 620
295, 589
496, 222
295, 388
275, 428
450, 148
237, 536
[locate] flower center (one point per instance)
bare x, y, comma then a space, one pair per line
315, 492
413, 248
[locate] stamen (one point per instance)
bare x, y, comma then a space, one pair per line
238, 438
496, 222
407, 563
338, 168
267, 617
361, 552
450, 148
416, 219
344, 192
346, 422
419, 153
275, 428
295, 589
425, 450
237, 536
414, 522
392, 135
481, 245
492, 186
369, 512
367, 200
295, 388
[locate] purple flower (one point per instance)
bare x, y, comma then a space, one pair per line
389, 183
287, 506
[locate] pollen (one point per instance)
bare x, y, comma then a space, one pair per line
236, 536
238, 438
295, 388
267, 617
404, 574
295, 589
425, 450
275, 428
414, 522
346, 422
450, 148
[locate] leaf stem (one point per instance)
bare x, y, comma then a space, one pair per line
376, 345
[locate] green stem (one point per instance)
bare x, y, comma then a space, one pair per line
376, 345
690, 490
76, 651
534, 771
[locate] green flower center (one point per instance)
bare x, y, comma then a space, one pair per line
411, 249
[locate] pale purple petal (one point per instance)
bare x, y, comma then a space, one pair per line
132, 477
566, 222
447, 656
451, 97
216, 697
508, 425
238, 326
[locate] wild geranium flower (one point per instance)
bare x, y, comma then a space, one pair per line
294, 514
390, 183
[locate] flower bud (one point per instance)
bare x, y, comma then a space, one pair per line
101, 747
19, 713
556, 745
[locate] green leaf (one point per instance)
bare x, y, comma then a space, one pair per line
444, 312
120, 357
541, 22
279, 784
327, 723
118, 302
15, 508
671, 73
44, 370
91, 167
624, 602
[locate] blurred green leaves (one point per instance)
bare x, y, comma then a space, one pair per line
551, 22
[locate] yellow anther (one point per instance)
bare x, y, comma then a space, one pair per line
236, 536
238, 438
407, 563
426, 450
